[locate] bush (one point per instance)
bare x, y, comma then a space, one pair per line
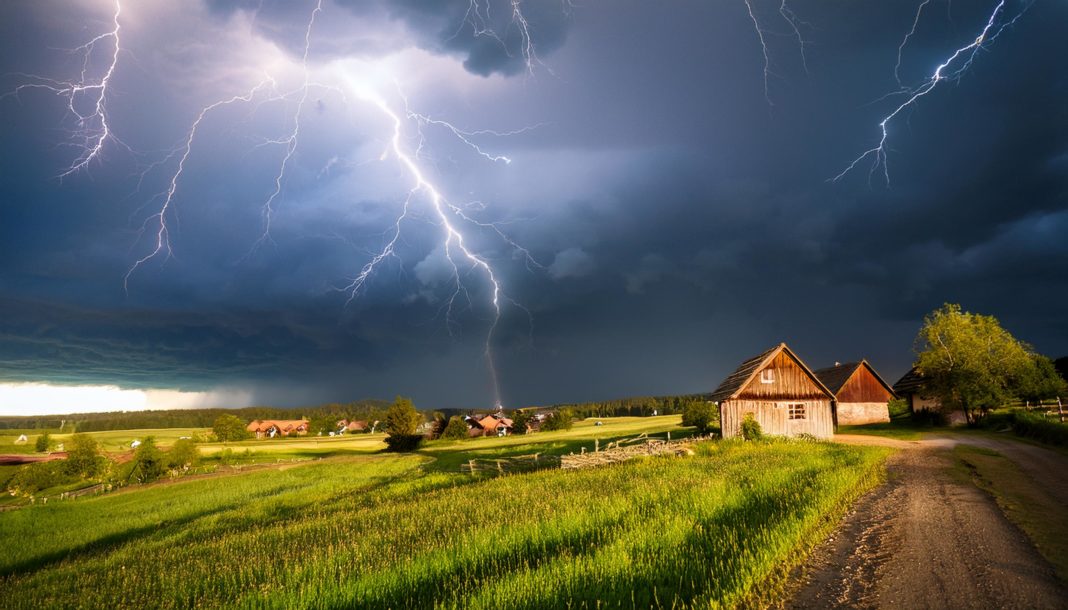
402, 419
32, 478
751, 430
456, 429
898, 407
84, 459
929, 417
230, 428
1040, 428
559, 420
43, 442
148, 463
521, 422
183, 455
701, 415
403, 442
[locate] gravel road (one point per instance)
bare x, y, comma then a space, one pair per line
929, 539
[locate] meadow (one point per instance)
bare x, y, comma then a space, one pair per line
715, 529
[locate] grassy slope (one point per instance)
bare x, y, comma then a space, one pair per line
385, 531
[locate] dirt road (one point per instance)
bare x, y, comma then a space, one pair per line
931, 539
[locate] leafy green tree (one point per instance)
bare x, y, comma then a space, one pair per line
43, 442
230, 428
149, 463
700, 414
1040, 381
559, 420
521, 422
183, 454
324, 424
969, 361
402, 421
402, 418
456, 429
84, 459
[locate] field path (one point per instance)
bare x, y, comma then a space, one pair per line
931, 539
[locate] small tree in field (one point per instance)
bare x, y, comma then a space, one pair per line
701, 415
230, 428
183, 455
402, 421
969, 361
84, 459
456, 429
560, 420
521, 422
43, 442
149, 462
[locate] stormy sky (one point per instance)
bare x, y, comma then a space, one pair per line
663, 216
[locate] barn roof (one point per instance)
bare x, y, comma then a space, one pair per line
834, 377
911, 383
736, 381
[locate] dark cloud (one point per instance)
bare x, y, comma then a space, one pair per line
682, 222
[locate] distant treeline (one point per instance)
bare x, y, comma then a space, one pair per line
369, 410
637, 406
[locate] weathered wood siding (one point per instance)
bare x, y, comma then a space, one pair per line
773, 416
791, 383
862, 386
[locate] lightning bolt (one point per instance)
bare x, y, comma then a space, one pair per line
763, 46
163, 240
93, 129
291, 140
905, 40
449, 216
949, 70
479, 17
795, 23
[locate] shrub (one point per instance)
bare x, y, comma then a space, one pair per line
148, 463
521, 422
43, 442
559, 420
403, 442
751, 430
32, 478
456, 428
898, 407
1038, 427
701, 415
183, 455
84, 459
402, 419
929, 417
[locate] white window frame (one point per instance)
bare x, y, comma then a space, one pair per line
767, 376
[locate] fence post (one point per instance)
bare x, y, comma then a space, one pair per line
669, 436
471, 466
596, 445
1060, 409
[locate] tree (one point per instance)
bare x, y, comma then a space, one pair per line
521, 422
183, 454
84, 459
1040, 381
402, 421
456, 429
43, 442
149, 463
559, 420
700, 414
230, 428
324, 424
969, 361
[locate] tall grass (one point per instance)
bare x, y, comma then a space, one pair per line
716, 529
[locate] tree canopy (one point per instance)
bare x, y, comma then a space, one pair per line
230, 428
970, 363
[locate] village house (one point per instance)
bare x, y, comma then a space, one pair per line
488, 425
782, 394
861, 395
270, 428
911, 388
345, 426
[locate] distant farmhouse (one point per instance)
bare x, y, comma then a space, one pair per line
782, 394
271, 428
345, 426
911, 388
861, 395
495, 424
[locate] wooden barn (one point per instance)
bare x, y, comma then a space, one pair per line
780, 392
860, 394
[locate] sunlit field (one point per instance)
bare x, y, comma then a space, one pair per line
716, 529
112, 441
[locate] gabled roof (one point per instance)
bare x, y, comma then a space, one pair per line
740, 378
834, 377
911, 383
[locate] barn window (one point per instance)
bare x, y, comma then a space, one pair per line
797, 411
767, 376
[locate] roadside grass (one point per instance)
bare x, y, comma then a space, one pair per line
1021, 500
718, 529
900, 429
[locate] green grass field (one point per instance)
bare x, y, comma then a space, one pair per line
716, 529
112, 441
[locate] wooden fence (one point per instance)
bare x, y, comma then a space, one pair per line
612, 453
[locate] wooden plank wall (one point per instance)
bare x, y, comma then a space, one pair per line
863, 387
791, 382
773, 417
